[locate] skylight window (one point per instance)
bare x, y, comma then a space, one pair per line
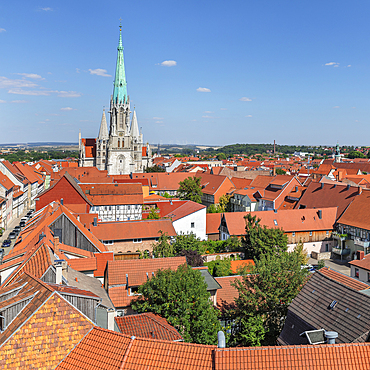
332, 305
275, 223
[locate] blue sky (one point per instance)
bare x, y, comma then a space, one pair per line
205, 72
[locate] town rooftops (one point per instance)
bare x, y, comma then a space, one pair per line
363, 263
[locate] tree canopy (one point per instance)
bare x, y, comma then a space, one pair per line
181, 297
190, 189
264, 297
261, 239
356, 154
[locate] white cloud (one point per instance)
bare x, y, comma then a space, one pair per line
77, 70
169, 63
2, 101
67, 109
46, 9
19, 101
99, 72
207, 117
6, 83
2, 30
158, 121
33, 76
68, 94
249, 115
335, 64
208, 111
223, 108
245, 99
29, 92
337, 106
203, 89
349, 65
158, 118
62, 94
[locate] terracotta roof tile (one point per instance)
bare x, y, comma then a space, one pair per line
227, 294
147, 325
344, 279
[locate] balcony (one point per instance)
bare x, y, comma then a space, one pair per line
341, 237
341, 252
362, 243
236, 201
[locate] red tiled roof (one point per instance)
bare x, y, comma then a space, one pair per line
112, 194
364, 263
213, 221
344, 279
82, 264
102, 349
313, 357
237, 264
323, 195
226, 295
137, 269
124, 230
101, 262
358, 212
290, 220
147, 325
5, 182
71, 290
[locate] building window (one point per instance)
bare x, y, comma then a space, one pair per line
137, 240
192, 225
134, 290
357, 273
108, 242
368, 276
128, 207
326, 247
327, 232
293, 233
119, 143
310, 233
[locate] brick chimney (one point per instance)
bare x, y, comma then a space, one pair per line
56, 245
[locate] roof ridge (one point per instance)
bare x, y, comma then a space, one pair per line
169, 327
338, 282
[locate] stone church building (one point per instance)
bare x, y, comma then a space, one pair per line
121, 150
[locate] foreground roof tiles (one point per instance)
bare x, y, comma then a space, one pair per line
312, 357
106, 350
147, 325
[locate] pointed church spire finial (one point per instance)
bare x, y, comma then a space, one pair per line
120, 84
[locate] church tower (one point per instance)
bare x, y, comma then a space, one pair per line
124, 152
120, 149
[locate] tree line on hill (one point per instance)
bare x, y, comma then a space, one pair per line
31, 156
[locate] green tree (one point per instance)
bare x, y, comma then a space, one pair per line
181, 297
219, 267
302, 253
188, 242
224, 203
221, 156
280, 171
266, 294
260, 240
153, 214
193, 258
320, 264
155, 169
213, 209
356, 154
190, 189
163, 248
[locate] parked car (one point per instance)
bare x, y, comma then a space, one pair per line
22, 224
12, 235
6, 243
1, 254
17, 228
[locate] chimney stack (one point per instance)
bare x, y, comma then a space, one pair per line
111, 313
330, 336
221, 341
56, 245
58, 264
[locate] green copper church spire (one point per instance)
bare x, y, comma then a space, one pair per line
120, 84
